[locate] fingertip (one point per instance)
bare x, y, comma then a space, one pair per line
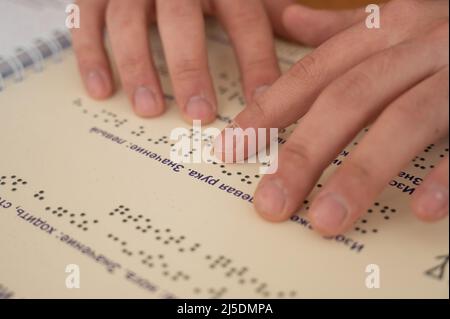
270, 201
199, 108
431, 203
329, 215
98, 84
146, 104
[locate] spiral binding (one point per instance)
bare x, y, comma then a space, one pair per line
43, 49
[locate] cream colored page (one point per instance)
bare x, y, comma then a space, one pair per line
139, 227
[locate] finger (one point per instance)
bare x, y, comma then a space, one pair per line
296, 91
355, 99
430, 202
182, 31
249, 28
313, 27
88, 44
275, 10
128, 31
423, 113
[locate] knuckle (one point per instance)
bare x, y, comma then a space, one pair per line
297, 151
307, 68
258, 111
246, 18
124, 17
359, 171
132, 66
187, 70
414, 111
259, 64
349, 90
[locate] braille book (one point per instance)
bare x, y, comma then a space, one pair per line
91, 204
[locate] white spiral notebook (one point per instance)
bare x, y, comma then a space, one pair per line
88, 196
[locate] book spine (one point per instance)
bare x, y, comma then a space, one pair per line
33, 57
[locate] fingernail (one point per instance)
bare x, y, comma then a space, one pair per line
145, 103
329, 213
270, 198
198, 108
260, 91
229, 145
96, 84
434, 201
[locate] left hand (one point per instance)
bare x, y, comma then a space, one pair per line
396, 77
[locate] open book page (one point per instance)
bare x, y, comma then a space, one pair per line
88, 183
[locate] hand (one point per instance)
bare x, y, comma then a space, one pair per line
181, 25
395, 77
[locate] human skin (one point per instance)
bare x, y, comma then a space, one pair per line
395, 77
